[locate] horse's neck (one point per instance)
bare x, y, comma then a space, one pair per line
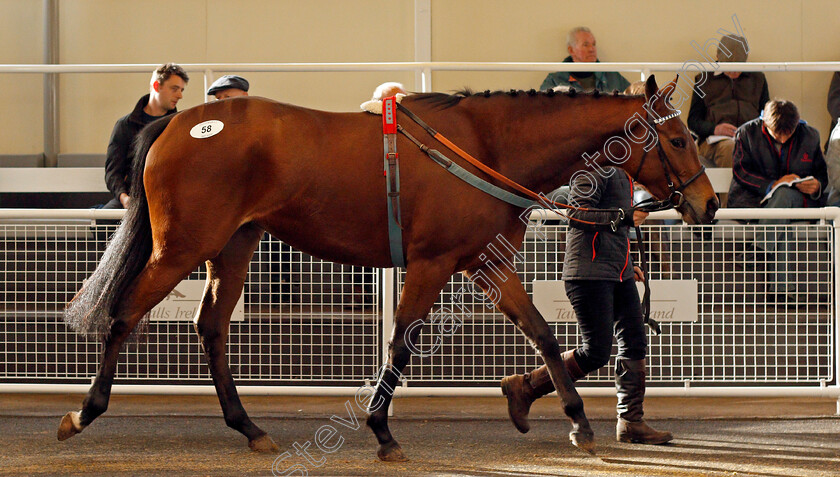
542, 143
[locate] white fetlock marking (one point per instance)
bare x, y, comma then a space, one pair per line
76, 420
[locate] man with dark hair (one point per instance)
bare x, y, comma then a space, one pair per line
777, 163
728, 100
166, 88
580, 44
774, 149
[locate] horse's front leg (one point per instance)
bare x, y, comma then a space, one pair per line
423, 282
505, 289
225, 277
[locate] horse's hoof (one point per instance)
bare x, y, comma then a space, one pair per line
583, 440
391, 453
68, 426
264, 443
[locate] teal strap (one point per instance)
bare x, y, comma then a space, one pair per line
392, 180
478, 182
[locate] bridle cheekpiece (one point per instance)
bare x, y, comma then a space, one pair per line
676, 198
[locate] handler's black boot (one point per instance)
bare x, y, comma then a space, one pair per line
523, 390
630, 390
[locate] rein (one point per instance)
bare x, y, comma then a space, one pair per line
675, 199
441, 159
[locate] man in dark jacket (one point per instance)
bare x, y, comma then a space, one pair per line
166, 88
775, 148
598, 273
729, 99
581, 46
773, 153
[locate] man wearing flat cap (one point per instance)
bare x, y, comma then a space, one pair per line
731, 98
280, 254
229, 86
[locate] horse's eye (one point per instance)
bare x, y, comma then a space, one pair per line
678, 142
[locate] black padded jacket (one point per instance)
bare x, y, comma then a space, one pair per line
599, 254
120, 147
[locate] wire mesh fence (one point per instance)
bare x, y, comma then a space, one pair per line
765, 314
765, 311
305, 320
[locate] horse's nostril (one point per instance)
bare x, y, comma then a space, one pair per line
713, 204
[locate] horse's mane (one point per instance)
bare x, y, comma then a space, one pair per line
444, 100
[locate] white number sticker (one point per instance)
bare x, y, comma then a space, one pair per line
207, 129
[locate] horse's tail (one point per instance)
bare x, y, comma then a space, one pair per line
92, 310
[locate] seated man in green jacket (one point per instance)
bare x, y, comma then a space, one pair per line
581, 46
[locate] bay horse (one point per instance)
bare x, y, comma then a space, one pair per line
315, 180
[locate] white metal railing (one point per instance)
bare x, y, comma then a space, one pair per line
314, 344
425, 68
421, 65
423, 73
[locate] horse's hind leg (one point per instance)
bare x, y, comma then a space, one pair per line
423, 282
225, 277
509, 295
160, 275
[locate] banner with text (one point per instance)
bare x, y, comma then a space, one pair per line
182, 303
670, 300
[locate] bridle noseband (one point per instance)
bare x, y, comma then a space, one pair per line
676, 197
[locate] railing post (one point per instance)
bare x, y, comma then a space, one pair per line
423, 43
835, 262
388, 292
208, 80
52, 131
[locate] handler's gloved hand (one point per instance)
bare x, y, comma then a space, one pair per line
628, 217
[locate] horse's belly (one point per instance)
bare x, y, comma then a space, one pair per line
340, 242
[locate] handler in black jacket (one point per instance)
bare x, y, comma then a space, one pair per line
165, 90
598, 273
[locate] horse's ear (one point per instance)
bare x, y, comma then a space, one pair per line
669, 89
650, 87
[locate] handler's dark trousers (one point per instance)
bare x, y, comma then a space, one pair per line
602, 308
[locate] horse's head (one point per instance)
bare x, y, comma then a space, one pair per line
671, 169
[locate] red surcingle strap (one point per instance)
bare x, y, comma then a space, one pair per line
389, 115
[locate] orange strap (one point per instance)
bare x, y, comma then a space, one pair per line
504, 180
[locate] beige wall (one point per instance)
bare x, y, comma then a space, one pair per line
631, 31
216, 31
21, 95
219, 31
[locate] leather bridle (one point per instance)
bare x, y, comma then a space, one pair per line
676, 196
